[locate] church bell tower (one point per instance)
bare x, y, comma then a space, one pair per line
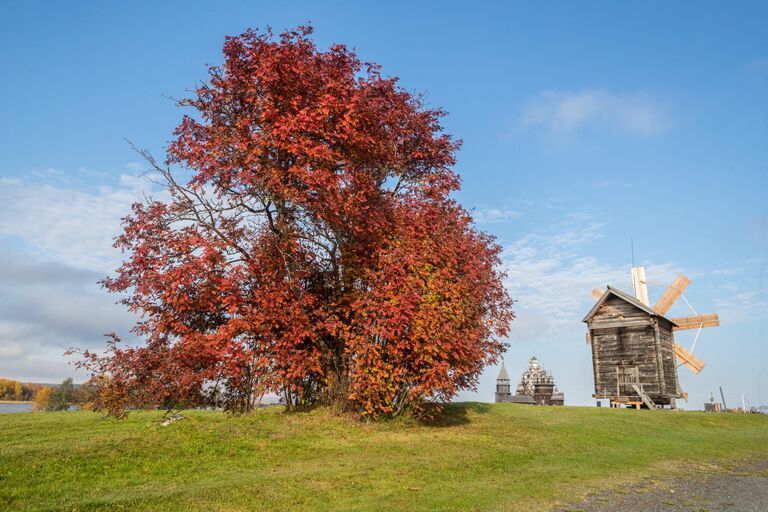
502, 385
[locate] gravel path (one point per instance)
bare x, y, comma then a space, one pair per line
733, 487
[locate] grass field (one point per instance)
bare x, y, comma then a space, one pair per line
477, 457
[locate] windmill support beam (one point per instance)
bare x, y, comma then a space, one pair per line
659, 357
595, 361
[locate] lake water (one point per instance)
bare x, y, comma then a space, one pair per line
25, 407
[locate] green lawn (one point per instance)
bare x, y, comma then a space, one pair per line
479, 457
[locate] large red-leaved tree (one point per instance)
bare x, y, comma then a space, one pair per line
314, 252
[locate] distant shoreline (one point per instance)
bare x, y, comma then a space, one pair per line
17, 401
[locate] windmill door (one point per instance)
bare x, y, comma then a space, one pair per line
626, 377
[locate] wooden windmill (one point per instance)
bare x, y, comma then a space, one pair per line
634, 354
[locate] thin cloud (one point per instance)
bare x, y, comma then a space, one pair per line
567, 112
55, 244
61, 223
551, 272
46, 308
494, 215
551, 275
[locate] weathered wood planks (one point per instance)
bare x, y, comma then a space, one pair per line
671, 294
694, 322
627, 340
688, 359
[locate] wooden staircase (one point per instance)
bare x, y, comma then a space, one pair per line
645, 398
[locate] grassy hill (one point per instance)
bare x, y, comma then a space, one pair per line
477, 457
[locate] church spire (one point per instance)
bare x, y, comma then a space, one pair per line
503, 375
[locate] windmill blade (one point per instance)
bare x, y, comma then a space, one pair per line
597, 293
688, 359
672, 293
694, 322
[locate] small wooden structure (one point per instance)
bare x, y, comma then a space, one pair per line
634, 353
712, 406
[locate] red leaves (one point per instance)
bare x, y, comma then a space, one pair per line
314, 253
435, 309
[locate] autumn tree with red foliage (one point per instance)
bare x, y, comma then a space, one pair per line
314, 252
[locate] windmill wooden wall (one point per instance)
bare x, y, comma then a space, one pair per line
631, 344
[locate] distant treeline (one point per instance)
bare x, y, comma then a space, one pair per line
15, 390
59, 397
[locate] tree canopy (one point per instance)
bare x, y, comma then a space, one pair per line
313, 249
62, 397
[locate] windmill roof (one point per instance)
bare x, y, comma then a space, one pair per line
503, 375
626, 297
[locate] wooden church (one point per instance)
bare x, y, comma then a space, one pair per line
536, 387
634, 353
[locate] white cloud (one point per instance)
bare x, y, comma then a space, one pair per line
552, 271
136, 167
55, 244
27, 359
566, 112
46, 308
551, 275
742, 305
65, 224
485, 215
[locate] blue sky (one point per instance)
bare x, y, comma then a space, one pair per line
584, 126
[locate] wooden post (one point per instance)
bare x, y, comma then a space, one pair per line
595, 360
659, 358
